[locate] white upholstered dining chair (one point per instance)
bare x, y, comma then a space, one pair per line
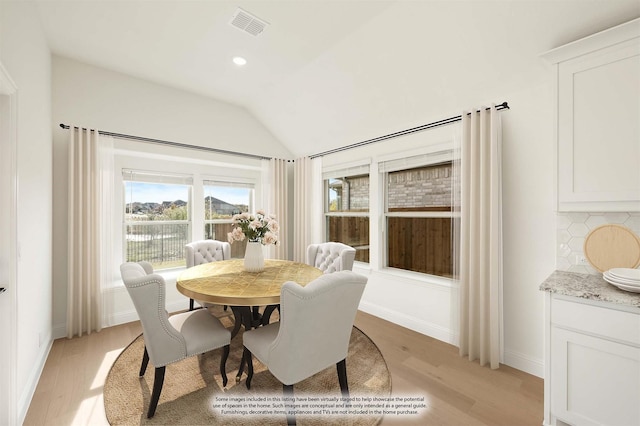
331, 257
169, 339
313, 332
205, 251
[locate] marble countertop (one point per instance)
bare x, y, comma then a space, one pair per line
588, 286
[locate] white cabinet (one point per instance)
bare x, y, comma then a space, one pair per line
592, 363
598, 120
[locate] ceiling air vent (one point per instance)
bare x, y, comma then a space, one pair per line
248, 23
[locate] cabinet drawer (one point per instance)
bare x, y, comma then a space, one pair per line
599, 321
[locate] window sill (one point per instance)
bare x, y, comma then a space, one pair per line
169, 275
411, 277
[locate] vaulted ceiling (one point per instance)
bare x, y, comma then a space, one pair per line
329, 73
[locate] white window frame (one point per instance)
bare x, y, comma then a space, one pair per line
339, 171
418, 143
432, 155
226, 182
129, 154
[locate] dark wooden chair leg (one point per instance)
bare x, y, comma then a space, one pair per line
158, 380
246, 357
223, 364
145, 362
342, 377
191, 304
287, 391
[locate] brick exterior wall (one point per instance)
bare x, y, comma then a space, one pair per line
422, 187
359, 188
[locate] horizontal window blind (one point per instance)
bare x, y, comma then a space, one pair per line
228, 184
156, 177
415, 161
346, 170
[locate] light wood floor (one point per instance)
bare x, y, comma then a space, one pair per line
456, 391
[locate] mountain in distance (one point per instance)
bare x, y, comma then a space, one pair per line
211, 203
222, 207
152, 208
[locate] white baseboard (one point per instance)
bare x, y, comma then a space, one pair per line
33, 379
513, 359
412, 323
121, 318
59, 331
524, 363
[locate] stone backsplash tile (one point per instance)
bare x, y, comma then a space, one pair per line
573, 227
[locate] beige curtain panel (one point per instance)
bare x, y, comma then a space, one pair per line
89, 230
307, 205
481, 236
279, 205
302, 199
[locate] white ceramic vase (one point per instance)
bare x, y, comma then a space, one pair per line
253, 257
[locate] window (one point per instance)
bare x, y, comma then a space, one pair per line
347, 208
157, 218
160, 200
222, 200
419, 214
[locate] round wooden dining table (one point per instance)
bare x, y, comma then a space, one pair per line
225, 282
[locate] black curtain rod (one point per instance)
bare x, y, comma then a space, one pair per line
176, 144
438, 123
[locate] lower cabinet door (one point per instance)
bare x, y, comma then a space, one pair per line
594, 381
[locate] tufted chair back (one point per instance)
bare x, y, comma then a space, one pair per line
147, 290
205, 251
318, 340
331, 257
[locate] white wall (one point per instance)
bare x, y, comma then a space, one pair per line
93, 97
528, 221
431, 307
25, 55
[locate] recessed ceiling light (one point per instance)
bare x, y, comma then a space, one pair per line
239, 61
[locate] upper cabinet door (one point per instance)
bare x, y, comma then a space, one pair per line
598, 121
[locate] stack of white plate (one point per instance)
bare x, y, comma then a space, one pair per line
627, 279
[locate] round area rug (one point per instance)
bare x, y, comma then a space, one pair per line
193, 394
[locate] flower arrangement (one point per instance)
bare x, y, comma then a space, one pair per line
261, 228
